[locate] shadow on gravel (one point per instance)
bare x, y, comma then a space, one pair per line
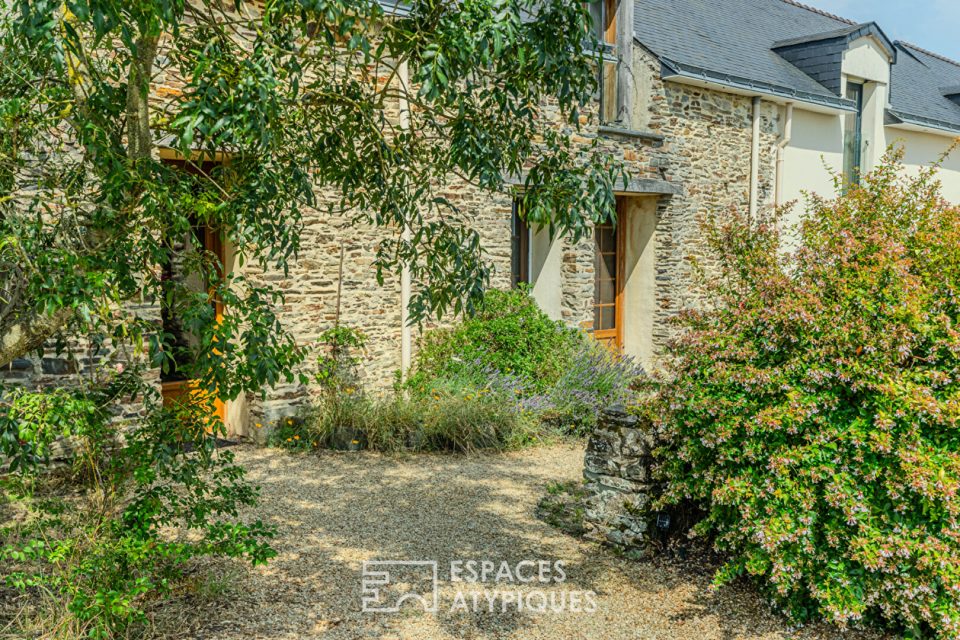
334, 511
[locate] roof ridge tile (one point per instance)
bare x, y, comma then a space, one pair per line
818, 11
932, 54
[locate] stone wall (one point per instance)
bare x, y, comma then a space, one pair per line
702, 144
618, 477
706, 150
311, 286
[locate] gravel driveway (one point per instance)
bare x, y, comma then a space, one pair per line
334, 511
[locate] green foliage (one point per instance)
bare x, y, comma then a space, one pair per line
115, 527
813, 408
459, 417
505, 378
461, 422
593, 379
564, 507
475, 420
511, 348
509, 334
297, 94
338, 368
294, 93
34, 421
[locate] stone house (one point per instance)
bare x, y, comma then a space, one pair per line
710, 105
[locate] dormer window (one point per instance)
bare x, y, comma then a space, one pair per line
952, 93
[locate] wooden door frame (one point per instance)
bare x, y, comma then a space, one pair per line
621, 268
620, 227
175, 390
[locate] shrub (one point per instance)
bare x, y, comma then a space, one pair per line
509, 334
457, 422
475, 419
506, 378
813, 408
339, 366
549, 372
103, 536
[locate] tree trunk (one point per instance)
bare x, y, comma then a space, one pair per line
139, 138
23, 338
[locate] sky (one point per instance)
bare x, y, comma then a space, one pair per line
930, 24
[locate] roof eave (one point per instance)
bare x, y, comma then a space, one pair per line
896, 118
673, 70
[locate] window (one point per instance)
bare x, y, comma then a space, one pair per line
608, 92
853, 135
519, 247
604, 13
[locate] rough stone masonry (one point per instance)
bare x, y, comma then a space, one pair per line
618, 479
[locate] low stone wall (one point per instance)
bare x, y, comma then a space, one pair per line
619, 483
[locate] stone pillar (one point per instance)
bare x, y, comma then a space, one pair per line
618, 480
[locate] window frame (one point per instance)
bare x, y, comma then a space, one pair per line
613, 338
520, 236
853, 161
608, 82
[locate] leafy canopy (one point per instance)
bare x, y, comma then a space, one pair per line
277, 110
304, 99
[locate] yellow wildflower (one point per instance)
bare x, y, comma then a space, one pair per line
258, 425
296, 437
355, 442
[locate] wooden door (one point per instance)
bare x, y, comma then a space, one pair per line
178, 389
608, 282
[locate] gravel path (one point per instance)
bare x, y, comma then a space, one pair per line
334, 511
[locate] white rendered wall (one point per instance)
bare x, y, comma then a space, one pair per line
545, 272
640, 285
922, 149
865, 59
814, 153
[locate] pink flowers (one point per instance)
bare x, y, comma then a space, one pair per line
812, 405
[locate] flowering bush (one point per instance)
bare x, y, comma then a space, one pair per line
813, 410
505, 378
593, 380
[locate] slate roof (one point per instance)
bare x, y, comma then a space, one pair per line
919, 85
732, 42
